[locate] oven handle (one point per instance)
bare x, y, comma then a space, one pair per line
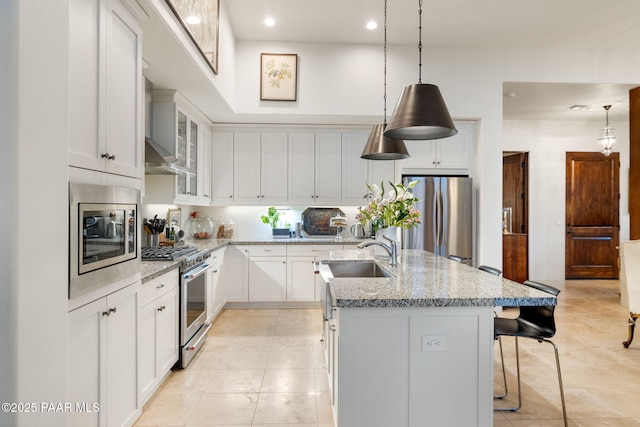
197, 271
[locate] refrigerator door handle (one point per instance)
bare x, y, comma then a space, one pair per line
436, 222
444, 222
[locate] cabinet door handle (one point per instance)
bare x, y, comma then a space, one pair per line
160, 286
258, 196
108, 156
231, 196
215, 271
332, 328
106, 313
162, 308
112, 310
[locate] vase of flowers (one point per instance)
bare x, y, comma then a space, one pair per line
393, 208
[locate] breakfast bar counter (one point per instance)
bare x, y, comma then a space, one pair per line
414, 348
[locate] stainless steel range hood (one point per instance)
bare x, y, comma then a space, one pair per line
159, 161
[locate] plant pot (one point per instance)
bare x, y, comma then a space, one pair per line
280, 233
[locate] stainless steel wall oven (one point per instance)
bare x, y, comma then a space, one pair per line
103, 236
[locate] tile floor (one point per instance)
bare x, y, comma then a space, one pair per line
265, 368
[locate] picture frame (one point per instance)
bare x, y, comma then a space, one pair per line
278, 76
201, 21
174, 217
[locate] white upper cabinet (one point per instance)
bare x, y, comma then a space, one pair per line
328, 168
448, 153
302, 177
260, 168
222, 168
357, 172
185, 133
105, 95
315, 168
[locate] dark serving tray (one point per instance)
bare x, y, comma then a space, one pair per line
315, 221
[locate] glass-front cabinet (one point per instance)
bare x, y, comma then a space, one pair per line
181, 129
187, 139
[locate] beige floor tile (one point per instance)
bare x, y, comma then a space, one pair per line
235, 381
303, 359
224, 409
169, 409
601, 378
324, 408
292, 343
288, 381
284, 408
244, 360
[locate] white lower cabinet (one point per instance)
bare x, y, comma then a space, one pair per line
159, 347
302, 282
236, 273
267, 273
216, 294
102, 362
273, 272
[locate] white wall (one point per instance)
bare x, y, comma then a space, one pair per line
547, 143
344, 79
34, 126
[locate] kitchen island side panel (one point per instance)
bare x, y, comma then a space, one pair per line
389, 374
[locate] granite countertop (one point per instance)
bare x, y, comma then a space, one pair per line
423, 279
152, 269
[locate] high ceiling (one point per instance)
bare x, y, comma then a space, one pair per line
570, 24
563, 24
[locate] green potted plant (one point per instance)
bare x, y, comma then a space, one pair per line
272, 217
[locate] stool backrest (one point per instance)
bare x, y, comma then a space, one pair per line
630, 273
541, 317
491, 270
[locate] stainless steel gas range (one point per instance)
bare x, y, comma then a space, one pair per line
193, 295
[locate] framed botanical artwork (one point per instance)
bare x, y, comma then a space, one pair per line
200, 18
278, 76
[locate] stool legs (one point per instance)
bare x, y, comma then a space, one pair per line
632, 325
515, 408
504, 373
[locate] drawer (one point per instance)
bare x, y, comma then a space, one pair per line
267, 250
159, 286
311, 250
215, 260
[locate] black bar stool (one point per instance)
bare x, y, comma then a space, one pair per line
535, 322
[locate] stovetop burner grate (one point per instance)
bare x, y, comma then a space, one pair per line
162, 253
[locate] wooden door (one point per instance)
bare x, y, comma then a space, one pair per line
592, 216
514, 189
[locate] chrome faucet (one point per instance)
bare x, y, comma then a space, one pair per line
391, 248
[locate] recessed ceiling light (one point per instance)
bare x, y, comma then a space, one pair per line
578, 107
269, 21
193, 19
372, 25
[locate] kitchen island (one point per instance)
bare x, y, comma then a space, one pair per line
415, 348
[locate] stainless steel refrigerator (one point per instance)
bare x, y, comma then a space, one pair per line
446, 225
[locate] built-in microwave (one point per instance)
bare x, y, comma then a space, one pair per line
103, 236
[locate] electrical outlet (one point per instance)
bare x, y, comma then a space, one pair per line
434, 343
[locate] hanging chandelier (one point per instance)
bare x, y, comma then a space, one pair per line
607, 138
378, 146
420, 112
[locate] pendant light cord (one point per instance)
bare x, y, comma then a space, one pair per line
385, 63
419, 41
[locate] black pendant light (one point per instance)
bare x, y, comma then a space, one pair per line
420, 112
380, 147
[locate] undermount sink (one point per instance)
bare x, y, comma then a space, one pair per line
357, 269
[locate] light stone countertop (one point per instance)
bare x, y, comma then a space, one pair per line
152, 269
423, 279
